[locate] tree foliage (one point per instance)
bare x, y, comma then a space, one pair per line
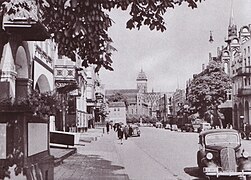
208, 89
81, 27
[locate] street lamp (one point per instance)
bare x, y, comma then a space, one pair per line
211, 40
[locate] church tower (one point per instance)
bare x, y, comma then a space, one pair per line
232, 28
142, 82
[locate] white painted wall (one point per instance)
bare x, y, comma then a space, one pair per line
117, 114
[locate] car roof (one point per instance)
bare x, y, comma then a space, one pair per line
204, 133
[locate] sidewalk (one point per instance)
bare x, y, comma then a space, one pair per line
61, 152
93, 160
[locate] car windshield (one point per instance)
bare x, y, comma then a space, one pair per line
225, 139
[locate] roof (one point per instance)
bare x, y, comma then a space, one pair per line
122, 91
141, 76
203, 133
117, 104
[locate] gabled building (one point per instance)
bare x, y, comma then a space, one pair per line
117, 112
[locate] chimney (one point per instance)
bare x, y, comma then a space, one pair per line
203, 67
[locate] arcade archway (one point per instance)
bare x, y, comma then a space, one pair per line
42, 84
23, 81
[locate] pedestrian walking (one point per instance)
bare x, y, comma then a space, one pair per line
120, 133
114, 127
130, 130
107, 127
126, 131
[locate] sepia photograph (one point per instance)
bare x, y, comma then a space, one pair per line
125, 90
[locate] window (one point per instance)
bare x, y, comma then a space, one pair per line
229, 97
114, 109
118, 109
248, 49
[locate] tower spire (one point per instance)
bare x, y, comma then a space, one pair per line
231, 19
232, 28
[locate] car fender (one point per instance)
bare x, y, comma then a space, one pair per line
244, 164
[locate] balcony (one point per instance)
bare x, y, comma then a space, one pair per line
244, 92
26, 23
65, 78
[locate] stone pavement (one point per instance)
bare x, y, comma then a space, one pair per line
95, 160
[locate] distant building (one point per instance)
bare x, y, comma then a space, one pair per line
165, 110
178, 101
141, 103
135, 100
117, 112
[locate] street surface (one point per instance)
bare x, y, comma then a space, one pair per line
157, 154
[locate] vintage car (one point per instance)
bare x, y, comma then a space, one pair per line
174, 127
168, 126
221, 155
135, 130
158, 125
204, 126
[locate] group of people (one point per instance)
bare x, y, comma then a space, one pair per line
123, 131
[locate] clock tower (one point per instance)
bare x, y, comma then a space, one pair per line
142, 82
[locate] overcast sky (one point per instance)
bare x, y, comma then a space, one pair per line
170, 58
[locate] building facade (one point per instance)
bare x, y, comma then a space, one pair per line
241, 75
117, 112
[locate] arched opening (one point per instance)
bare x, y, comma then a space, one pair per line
42, 84
246, 112
23, 83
